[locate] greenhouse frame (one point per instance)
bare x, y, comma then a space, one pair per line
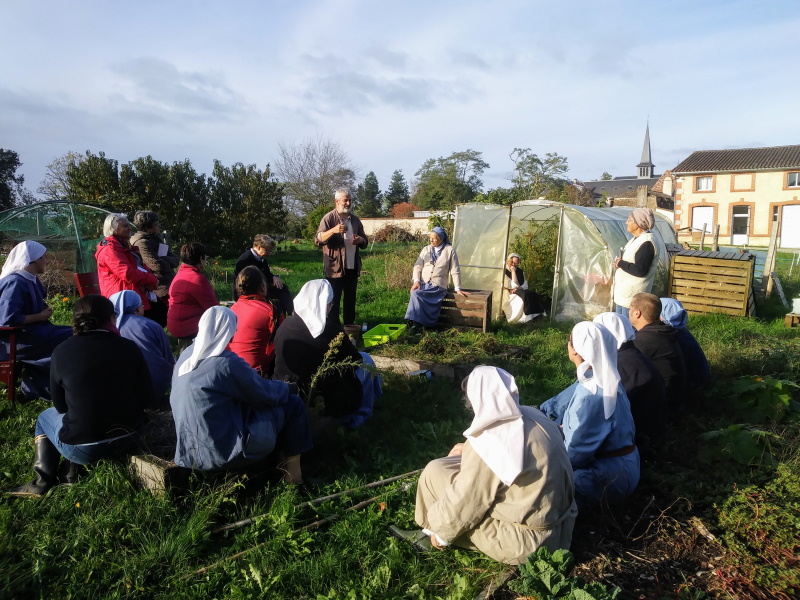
588, 241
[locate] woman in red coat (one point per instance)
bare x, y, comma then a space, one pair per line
119, 265
190, 295
257, 322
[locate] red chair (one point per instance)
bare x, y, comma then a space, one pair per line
86, 283
10, 368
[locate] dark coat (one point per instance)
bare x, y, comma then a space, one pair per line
298, 355
659, 343
163, 267
645, 389
248, 260
333, 252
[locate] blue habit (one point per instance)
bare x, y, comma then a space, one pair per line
588, 435
154, 344
373, 389
20, 297
425, 304
227, 416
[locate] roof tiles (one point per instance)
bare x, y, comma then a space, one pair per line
741, 159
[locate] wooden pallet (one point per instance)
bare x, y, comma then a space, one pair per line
708, 282
472, 312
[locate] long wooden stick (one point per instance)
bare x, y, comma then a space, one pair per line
316, 501
310, 526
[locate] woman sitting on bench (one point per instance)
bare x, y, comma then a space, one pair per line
435, 264
100, 385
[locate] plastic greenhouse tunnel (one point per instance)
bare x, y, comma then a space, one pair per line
567, 252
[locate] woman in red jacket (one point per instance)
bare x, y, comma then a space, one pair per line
190, 295
119, 265
257, 320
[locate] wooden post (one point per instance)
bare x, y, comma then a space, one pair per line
715, 244
769, 265
703, 238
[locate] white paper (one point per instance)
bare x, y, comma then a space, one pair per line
163, 249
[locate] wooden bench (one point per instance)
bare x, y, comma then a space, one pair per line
473, 311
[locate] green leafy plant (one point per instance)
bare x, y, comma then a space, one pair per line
758, 399
742, 443
545, 576
537, 249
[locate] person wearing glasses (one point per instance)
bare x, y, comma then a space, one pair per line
636, 267
190, 295
436, 264
263, 246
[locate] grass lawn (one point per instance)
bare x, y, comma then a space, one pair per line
730, 466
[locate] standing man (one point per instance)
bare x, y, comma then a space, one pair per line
263, 246
341, 234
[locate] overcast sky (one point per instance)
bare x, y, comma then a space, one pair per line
397, 83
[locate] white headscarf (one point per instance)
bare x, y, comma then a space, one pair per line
311, 304
598, 348
497, 433
217, 326
21, 256
619, 326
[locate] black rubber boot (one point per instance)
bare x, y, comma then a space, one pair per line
70, 472
45, 466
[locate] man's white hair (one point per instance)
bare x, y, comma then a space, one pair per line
341, 192
112, 222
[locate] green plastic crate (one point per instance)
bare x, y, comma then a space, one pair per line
382, 334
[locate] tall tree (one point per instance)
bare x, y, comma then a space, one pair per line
312, 171
55, 185
606, 176
398, 191
12, 190
369, 197
444, 182
95, 180
534, 175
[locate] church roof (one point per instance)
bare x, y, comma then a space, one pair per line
741, 159
619, 186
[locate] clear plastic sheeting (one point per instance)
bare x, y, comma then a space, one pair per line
588, 241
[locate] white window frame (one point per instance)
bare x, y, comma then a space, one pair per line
703, 184
793, 175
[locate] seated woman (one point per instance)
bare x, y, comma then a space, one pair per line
302, 342
120, 265
508, 489
22, 305
258, 321
698, 374
148, 336
190, 295
435, 264
596, 419
522, 304
100, 385
226, 415
643, 384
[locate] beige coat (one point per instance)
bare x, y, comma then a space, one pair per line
461, 500
446, 266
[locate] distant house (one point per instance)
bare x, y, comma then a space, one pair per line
645, 189
745, 191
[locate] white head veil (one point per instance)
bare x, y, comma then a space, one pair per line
497, 433
598, 348
311, 304
217, 326
21, 256
619, 326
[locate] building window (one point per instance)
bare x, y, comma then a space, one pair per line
775, 210
703, 184
793, 179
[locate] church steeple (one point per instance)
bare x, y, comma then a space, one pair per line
646, 166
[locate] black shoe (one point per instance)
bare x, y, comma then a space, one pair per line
415, 537
70, 472
45, 466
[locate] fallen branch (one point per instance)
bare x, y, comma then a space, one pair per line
320, 500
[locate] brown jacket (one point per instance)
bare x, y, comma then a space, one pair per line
333, 253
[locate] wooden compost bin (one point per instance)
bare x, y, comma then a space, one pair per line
713, 282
